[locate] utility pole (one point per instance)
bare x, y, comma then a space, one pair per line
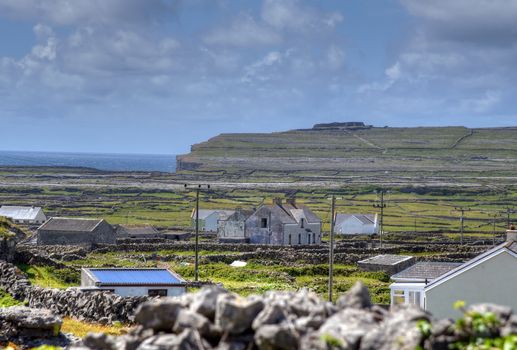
508, 212
493, 229
197, 188
462, 210
382, 205
331, 247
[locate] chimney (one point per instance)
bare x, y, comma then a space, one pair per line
511, 234
291, 201
277, 201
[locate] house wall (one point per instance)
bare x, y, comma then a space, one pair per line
231, 229
354, 226
492, 281
131, 291
297, 232
210, 224
273, 234
103, 233
201, 224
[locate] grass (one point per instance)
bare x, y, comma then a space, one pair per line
49, 277
81, 328
6, 300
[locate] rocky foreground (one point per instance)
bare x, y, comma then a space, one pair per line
216, 319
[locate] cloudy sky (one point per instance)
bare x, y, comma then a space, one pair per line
155, 76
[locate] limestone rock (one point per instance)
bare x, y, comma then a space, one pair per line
357, 297
276, 337
235, 314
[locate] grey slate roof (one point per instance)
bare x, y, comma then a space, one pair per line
425, 270
386, 259
366, 219
68, 224
292, 214
19, 213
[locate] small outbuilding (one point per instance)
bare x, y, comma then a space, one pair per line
232, 229
23, 215
68, 231
356, 224
134, 282
389, 263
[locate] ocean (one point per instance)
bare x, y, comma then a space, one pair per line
101, 161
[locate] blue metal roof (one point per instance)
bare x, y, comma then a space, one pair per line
135, 276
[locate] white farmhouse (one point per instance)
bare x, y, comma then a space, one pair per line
488, 278
133, 282
209, 218
23, 215
352, 224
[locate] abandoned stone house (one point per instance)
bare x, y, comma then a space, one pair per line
284, 224
68, 231
232, 229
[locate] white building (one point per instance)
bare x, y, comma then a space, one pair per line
133, 282
488, 278
23, 215
352, 224
209, 218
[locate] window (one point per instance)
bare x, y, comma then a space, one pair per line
314, 239
263, 223
398, 297
289, 239
308, 238
299, 238
157, 292
302, 222
414, 298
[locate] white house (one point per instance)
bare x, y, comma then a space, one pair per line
209, 218
23, 215
488, 278
133, 282
350, 224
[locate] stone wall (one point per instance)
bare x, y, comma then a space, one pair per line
216, 319
101, 307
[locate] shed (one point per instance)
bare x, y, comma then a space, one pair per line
68, 231
137, 231
133, 282
209, 218
23, 215
389, 263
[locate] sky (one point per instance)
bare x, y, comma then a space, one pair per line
156, 76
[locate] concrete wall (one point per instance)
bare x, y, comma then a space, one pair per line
354, 226
103, 233
493, 281
232, 229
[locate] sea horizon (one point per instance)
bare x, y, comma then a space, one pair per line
99, 161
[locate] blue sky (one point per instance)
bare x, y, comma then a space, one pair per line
155, 76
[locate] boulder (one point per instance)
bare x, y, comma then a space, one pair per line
276, 337
159, 315
28, 322
357, 297
235, 314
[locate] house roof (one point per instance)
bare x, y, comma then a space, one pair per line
506, 246
366, 219
136, 230
125, 276
292, 214
425, 270
19, 213
204, 213
386, 259
69, 224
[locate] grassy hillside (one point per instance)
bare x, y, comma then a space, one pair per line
449, 152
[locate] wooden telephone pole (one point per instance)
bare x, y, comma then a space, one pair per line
462, 210
331, 247
197, 188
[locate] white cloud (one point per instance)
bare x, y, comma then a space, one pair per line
291, 14
259, 70
393, 74
335, 57
480, 104
244, 31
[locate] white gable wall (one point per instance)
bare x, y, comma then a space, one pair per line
491, 281
352, 226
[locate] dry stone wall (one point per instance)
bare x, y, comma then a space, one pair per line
101, 307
